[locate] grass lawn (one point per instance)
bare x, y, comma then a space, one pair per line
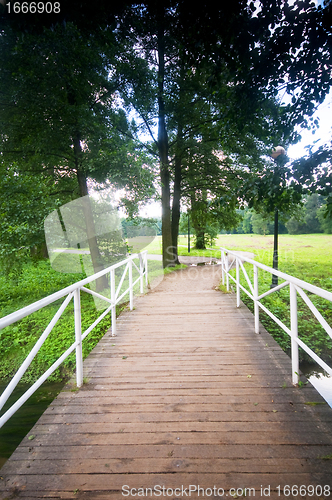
306, 256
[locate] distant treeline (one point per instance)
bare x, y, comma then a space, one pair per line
308, 218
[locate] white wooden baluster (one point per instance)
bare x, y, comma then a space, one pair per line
131, 291
78, 338
256, 306
223, 266
141, 269
146, 268
113, 299
237, 283
294, 332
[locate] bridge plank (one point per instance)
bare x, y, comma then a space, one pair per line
185, 394
109, 482
214, 451
156, 465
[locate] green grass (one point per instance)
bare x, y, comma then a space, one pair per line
38, 281
307, 257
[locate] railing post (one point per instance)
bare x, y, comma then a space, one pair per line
131, 291
146, 268
237, 283
78, 338
141, 267
112, 273
223, 266
226, 267
256, 306
294, 332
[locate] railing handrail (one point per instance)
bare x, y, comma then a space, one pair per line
296, 281
296, 285
72, 292
39, 304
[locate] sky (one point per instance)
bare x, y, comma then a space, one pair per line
323, 135
151, 210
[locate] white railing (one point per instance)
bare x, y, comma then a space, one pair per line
296, 286
72, 291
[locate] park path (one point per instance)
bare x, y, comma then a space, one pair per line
186, 396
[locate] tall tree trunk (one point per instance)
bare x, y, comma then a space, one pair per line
199, 218
200, 239
96, 257
167, 246
177, 193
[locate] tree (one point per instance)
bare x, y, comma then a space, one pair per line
177, 94
312, 206
246, 220
296, 225
59, 117
307, 219
261, 224
25, 201
325, 222
314, 174
220, 60
286, 48
209, 189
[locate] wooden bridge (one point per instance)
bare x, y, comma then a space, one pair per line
186, 401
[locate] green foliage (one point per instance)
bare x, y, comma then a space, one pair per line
59, 82
325, 219
246, 224
306, 219
261, 224
25, 201
142, 222
60, 125
60, 115
258, 222
68, 83
270, 187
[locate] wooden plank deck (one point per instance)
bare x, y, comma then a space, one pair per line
185, 394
